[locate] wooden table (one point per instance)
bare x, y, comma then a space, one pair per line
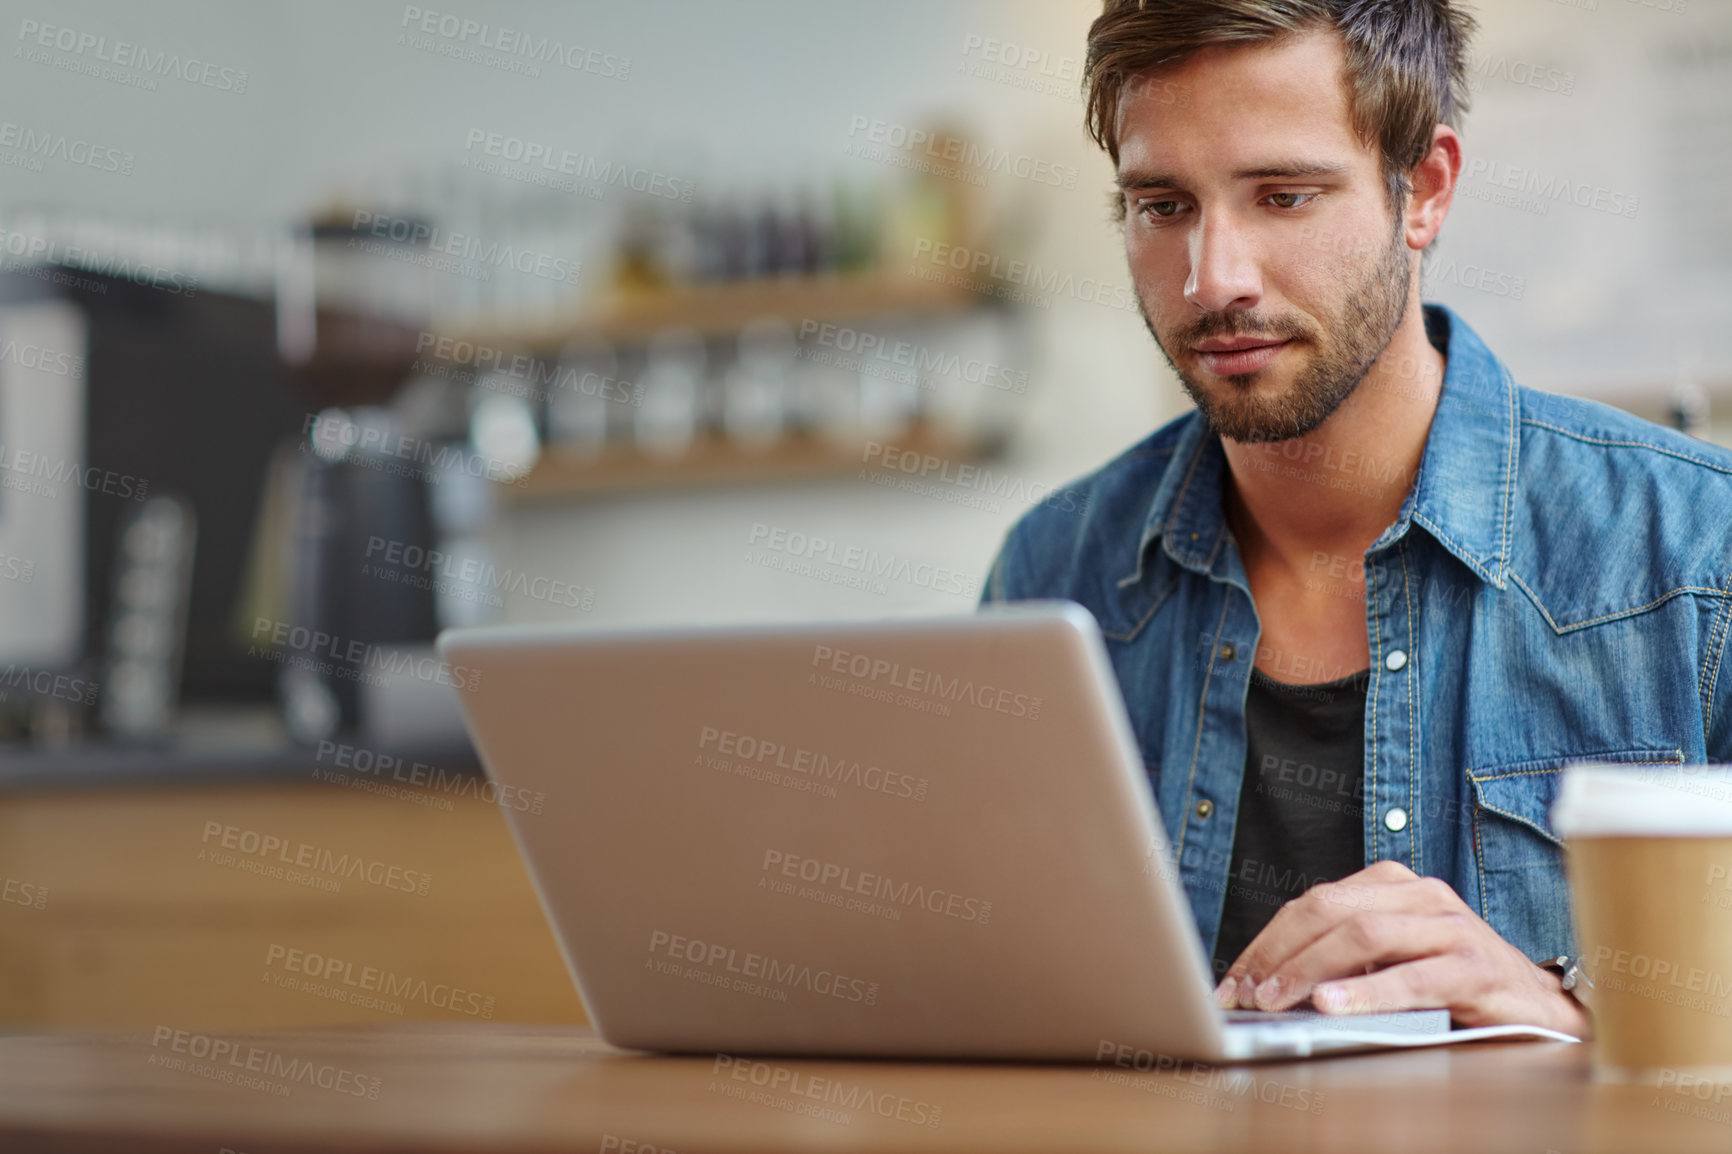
501, 1087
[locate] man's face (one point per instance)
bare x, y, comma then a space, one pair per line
1267, 260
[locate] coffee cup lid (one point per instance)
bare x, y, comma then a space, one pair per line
1600, 800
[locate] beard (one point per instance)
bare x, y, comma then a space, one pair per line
1346, 345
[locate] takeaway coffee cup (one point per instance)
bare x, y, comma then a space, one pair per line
1650, 868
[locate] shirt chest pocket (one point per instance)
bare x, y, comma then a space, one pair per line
1523, 892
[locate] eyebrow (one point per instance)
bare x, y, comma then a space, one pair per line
1281, 170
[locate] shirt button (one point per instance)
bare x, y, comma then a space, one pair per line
1229, 651
1395, 661
1205, 808
1395, 820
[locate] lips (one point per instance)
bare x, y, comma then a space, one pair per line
1238, 355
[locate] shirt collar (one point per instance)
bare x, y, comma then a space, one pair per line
1463, 495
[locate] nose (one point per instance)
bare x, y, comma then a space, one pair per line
1223, 274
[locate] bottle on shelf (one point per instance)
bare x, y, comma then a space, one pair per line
673, 375
585, 382
755, 387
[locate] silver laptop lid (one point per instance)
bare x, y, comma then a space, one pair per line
917, 838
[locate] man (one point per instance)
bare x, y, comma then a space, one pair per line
1372, 596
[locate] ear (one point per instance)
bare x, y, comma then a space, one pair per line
1433, 180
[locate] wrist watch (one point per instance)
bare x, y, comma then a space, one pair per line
1570, 973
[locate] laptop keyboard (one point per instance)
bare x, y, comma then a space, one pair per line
1275, 1015
1404, 1021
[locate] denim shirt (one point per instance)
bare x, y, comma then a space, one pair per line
1556, 587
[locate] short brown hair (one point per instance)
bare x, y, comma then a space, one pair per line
1406, 61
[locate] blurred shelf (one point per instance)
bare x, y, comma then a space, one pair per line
714, 309
714, 460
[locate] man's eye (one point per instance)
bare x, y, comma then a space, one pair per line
1290, 199
1162, 207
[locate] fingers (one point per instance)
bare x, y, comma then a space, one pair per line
1359, 945
1421, 947
1388, 887
1477, 986
1433, 983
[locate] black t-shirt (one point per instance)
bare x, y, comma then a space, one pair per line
1300, 804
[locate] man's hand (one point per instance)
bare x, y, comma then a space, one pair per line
1386, 939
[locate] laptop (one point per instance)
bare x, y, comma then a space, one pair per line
915, 838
